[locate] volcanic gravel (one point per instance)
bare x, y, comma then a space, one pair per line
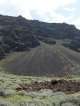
45, 60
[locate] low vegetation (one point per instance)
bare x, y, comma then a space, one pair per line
10, 96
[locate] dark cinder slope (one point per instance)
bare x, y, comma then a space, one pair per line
24, 41
45, 60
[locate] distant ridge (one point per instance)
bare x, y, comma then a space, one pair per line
55, 30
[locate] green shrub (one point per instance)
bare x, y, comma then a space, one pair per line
4, 103
31, 103
71, 100
68, 104
3, 86
42, 94
23, 92
50, 101
9, 92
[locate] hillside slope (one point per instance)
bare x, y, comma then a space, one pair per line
55, 30
27, 44
20, 34
44, 60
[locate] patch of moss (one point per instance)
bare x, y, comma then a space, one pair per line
27, 82
72, 92
75, 78
13, 86
17, 98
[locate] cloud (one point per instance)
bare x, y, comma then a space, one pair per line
60, 18
42, 7
45, 6
47, 19
69, 9
76, 22
2, 1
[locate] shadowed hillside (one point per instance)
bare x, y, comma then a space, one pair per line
73, 45
18, 34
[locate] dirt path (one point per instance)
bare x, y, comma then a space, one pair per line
44, 60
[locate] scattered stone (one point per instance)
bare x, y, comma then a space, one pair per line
54, 85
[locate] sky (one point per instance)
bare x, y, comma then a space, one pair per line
52, 11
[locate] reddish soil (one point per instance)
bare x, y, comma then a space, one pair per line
54, 85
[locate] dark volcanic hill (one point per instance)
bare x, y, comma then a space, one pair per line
42, 29
30, 40
44, 60
20, 34
73, 45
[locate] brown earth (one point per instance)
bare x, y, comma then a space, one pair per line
45, 60
54, 85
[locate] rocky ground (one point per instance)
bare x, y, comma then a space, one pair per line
54, 85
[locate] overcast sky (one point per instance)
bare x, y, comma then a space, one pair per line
57, 11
